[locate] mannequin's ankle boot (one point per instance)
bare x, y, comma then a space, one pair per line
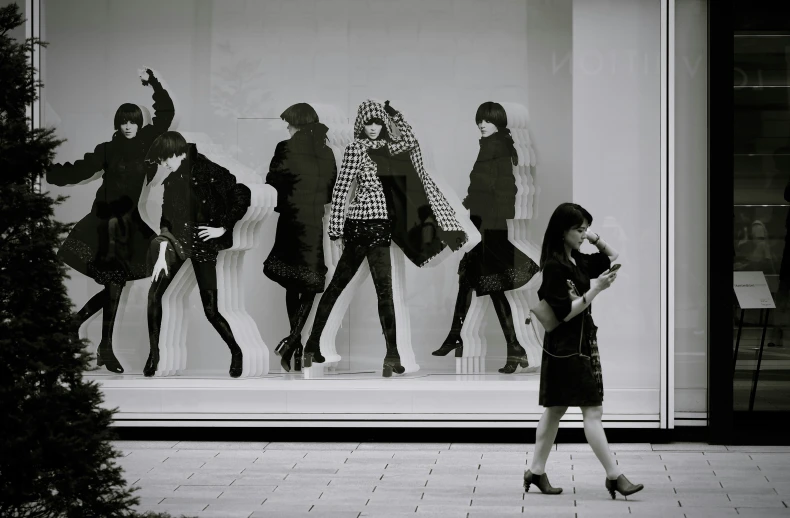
453, 342
298, 357
312, 354
105, 357
516, 357
392, 364
152, 363
236, 362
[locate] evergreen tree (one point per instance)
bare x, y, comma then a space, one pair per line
56, 458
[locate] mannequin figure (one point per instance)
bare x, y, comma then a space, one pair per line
391, 181
202, 202
110, 244
303, 170
494, 265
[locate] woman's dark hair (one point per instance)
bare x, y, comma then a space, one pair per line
168, 144
384, 134
299, 115
495, 114
128, 112
565, 217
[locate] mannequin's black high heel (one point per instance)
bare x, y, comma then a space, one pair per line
285, 349
516, 356
541, 482
392, 365
236, 364
453, 342
623, 486
312, 353
152, 363
298, 357
106, 358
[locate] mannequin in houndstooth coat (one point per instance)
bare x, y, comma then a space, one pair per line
391, 186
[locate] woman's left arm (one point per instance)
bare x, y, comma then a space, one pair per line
602, 246
407, 140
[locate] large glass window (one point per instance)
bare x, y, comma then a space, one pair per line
580, 81
762, 195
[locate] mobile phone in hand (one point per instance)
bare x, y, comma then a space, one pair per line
614, 268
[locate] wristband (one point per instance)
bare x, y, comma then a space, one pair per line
596, 241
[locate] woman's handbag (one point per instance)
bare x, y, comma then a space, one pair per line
545, 316
549, 321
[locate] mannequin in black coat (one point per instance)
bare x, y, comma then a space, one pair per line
303, 170
202, 202
111, 242
494, 265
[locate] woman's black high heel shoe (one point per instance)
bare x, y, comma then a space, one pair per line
453, 342
152, 363
105, 357
623, 486
516, 356
541, 482
236, 364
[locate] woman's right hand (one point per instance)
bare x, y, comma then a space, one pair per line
604, 281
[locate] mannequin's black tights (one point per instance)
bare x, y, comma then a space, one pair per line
505, 316
292, 302
381, 270
108, 299
207, 283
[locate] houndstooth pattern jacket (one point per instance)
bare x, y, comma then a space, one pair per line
369, 201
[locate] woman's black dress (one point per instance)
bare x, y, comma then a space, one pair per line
575, 380
303, 170
110, 244
494, 264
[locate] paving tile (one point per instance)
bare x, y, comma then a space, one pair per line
764, 513
691, 446
492, 447
752, 501
710, 513
403, 447
312, 446
142, 445
220, 445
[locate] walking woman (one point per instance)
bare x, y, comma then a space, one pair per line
571, 366
494, 265
391, 184
110, 244
303, 170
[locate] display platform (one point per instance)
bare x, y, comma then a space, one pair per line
352, 399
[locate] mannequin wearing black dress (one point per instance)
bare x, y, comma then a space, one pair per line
303, 170
494, 265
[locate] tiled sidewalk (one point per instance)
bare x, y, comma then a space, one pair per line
451, 480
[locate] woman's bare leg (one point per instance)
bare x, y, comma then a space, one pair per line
545, 436
596, 437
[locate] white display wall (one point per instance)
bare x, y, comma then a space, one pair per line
587, 71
